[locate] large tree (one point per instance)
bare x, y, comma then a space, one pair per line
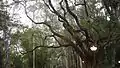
82, 24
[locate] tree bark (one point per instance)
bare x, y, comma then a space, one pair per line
0, 59
91, 64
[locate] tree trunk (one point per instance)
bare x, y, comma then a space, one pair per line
7, 49
0, 59
90, 64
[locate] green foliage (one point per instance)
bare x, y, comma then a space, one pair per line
42, 57
17, 61
34, 37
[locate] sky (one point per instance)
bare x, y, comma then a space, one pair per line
20, 11
17, 11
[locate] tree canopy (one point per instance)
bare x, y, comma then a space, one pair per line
73, 26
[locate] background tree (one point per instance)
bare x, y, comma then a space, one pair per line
6, 28
3, 28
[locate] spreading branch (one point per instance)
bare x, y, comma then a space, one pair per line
44, 47
71, 13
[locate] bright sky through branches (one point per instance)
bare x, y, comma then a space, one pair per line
17, 11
